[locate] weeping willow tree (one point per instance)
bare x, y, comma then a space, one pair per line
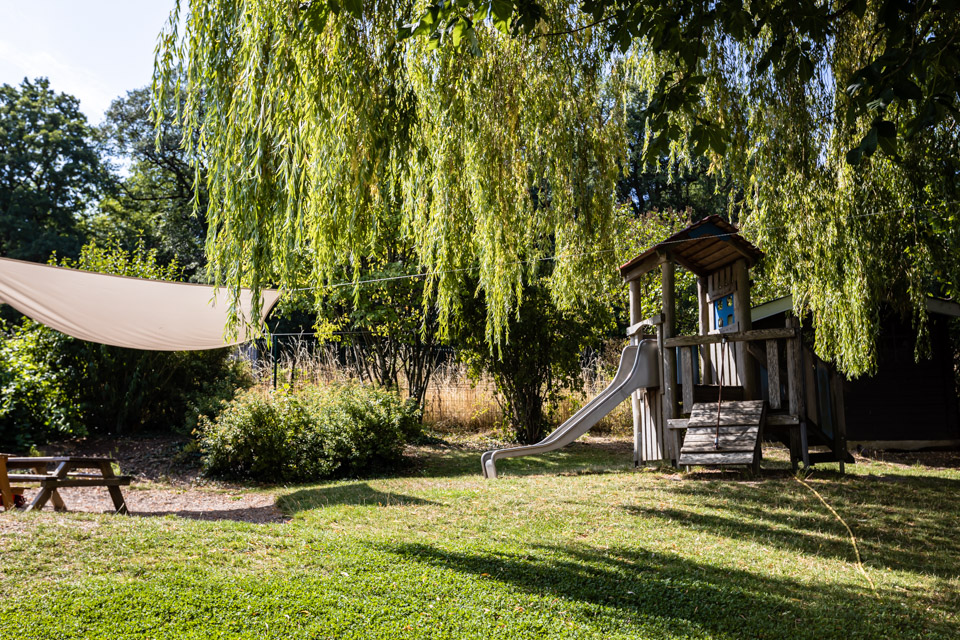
492, 131
320, 128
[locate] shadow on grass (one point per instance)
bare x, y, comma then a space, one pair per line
685, 598
577, 458
256, 515
354, 493
907, 523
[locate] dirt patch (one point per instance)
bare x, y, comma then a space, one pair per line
166, 481
193, 503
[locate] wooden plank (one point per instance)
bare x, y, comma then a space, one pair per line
677, 423
669, 356
737, 446
721, 292
86, 482
748, 368
711, 431
28, 477
794, 373
745, 412
781, 420
637, 328
638, 270
717, 459
704, 328
727, 442
77, 462
686, 378
652, 321
741, 336
773, 374
636, 309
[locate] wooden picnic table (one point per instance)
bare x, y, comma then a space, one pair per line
67, 471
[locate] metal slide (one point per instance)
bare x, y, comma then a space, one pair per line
639, 368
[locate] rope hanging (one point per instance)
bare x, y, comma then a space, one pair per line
723, 353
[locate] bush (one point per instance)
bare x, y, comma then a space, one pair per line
36, 405
309, 434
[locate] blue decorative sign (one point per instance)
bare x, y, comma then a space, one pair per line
723, 312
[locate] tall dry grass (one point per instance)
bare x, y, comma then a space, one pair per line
454, 402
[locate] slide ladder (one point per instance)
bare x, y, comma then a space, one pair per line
639, 368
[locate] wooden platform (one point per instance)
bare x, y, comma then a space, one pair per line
741, 429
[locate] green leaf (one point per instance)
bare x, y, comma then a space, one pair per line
457, 32
353, 7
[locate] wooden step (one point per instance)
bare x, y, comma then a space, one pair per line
829, 456
716, 459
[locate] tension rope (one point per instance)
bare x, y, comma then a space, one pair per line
723, 355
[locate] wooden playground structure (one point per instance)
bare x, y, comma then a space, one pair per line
729, 386
747, 377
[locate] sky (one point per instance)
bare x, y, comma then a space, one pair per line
96, 50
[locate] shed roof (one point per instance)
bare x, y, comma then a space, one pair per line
703, 248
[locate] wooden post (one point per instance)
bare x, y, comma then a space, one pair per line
707, 368
669, 356
6, 493
636, 311
748, 369
686, 377
773, 374
795, 390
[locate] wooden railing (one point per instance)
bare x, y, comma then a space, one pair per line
769, 357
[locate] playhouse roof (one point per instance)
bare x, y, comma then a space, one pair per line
703, 248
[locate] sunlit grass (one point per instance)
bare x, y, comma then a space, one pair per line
575, 544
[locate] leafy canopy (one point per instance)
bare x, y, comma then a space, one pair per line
162, 198
316, 124
496, 131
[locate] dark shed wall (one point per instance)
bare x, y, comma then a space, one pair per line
905, 400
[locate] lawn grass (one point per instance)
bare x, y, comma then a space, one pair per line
570, 545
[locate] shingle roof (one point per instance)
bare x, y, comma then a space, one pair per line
703, 248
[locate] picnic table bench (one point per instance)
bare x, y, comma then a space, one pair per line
66, 472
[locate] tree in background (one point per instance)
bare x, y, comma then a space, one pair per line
665, 184
162, 199
51, 173
541, 360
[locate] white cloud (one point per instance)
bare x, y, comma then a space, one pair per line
94, 95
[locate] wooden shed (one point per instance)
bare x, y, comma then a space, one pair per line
906, 404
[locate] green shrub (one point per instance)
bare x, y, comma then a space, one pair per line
309, 434
36, 404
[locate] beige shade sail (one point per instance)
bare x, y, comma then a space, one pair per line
127, 312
